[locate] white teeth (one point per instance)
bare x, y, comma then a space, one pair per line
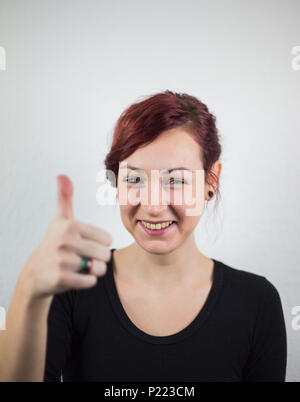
156, 226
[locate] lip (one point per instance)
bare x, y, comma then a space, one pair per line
155, 222
159, 232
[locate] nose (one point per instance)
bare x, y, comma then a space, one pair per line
154, 198
154, 210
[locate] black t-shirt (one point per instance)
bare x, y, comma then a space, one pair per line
238, 335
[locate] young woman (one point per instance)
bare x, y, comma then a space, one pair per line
158, 309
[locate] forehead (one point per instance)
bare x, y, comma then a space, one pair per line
172, 148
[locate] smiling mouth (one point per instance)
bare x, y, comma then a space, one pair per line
156, 229
156, 222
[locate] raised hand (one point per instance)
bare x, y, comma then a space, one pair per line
53, 266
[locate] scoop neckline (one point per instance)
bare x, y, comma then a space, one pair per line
194, 325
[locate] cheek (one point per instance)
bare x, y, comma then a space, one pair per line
187, 223
193, 204
125, 212
187, 226
125, 209
187, 194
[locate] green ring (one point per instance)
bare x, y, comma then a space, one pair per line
83, 265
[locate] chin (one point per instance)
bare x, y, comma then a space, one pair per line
158, 248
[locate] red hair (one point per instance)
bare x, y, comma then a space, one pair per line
142, 122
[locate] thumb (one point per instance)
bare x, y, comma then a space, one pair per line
64, 197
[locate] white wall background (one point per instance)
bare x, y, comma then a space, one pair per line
73, 66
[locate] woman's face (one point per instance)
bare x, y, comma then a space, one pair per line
180, 194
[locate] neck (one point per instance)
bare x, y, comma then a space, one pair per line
179, 267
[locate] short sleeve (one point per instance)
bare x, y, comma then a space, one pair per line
268, 355
59, 335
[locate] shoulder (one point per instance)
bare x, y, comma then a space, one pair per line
248, 285
243, 277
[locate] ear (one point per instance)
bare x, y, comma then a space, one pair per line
216, 169
219, 169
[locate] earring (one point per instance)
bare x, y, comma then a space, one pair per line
210, 193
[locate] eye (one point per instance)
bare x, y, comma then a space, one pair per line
138, 180
179, 181
131, 179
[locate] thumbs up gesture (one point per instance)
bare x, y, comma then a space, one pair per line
54, 266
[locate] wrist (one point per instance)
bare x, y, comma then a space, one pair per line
25, 291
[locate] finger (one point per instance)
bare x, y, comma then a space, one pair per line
64, 197
99, 268
94, 233
72, 262
88, 248
78, 281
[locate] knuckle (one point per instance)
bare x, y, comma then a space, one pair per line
60, 261
59, 278
104, 237
99, 268
106, 254
64, 240
76, 260
70, 226
108, 238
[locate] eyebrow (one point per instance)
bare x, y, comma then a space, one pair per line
164, 170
